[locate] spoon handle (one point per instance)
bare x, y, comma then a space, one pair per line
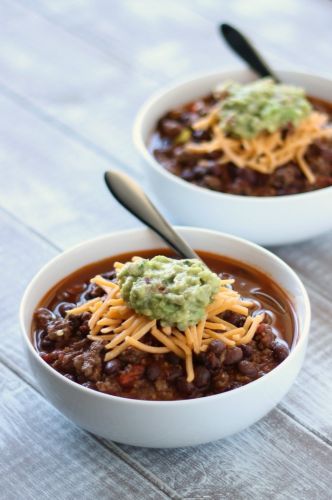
246, 50
132, 197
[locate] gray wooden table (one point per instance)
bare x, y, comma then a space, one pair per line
72, 76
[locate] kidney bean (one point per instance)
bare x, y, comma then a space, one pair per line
216, 346
267, 339
152, 372
248, 368
113, 366
233, 355
202, 376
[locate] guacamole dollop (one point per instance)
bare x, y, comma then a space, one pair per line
176, 292
261, 106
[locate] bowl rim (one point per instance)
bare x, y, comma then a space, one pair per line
143, 150
300, 344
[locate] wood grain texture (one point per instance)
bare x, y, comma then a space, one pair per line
64, 196
72, 76
100, 97
270, 461
44, 456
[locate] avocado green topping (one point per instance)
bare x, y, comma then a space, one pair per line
176, 292
261, 106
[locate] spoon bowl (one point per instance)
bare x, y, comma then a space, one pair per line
132, 197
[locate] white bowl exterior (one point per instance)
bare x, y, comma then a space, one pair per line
268, 220
166, 424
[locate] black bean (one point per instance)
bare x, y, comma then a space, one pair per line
93, 292
267, 339
85, 316
43, 316
248, 368
233, 355
184, 387
187, 174
47, 344
216, 346
234, 318
202, 376
89, 385
63, 307
199, 171
112, 367
74, 321
170, 128
172, 358
280, 351
212, 362
247, 350
110, 275
201, 135
69, 376
213, 182
214, 155
152, 372
175, 372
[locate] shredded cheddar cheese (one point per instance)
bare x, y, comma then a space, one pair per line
112, 321
267, 151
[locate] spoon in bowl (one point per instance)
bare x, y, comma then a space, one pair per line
247, 51
130, 195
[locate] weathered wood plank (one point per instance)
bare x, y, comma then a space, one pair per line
166, 39
313, 259
44, 456
54, 184
295, 33
272, 460
310, 398
77, 84
173, 38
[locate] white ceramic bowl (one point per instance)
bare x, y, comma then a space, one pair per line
166, 423
268, 220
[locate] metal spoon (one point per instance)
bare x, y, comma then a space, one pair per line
127, 192
246, 50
